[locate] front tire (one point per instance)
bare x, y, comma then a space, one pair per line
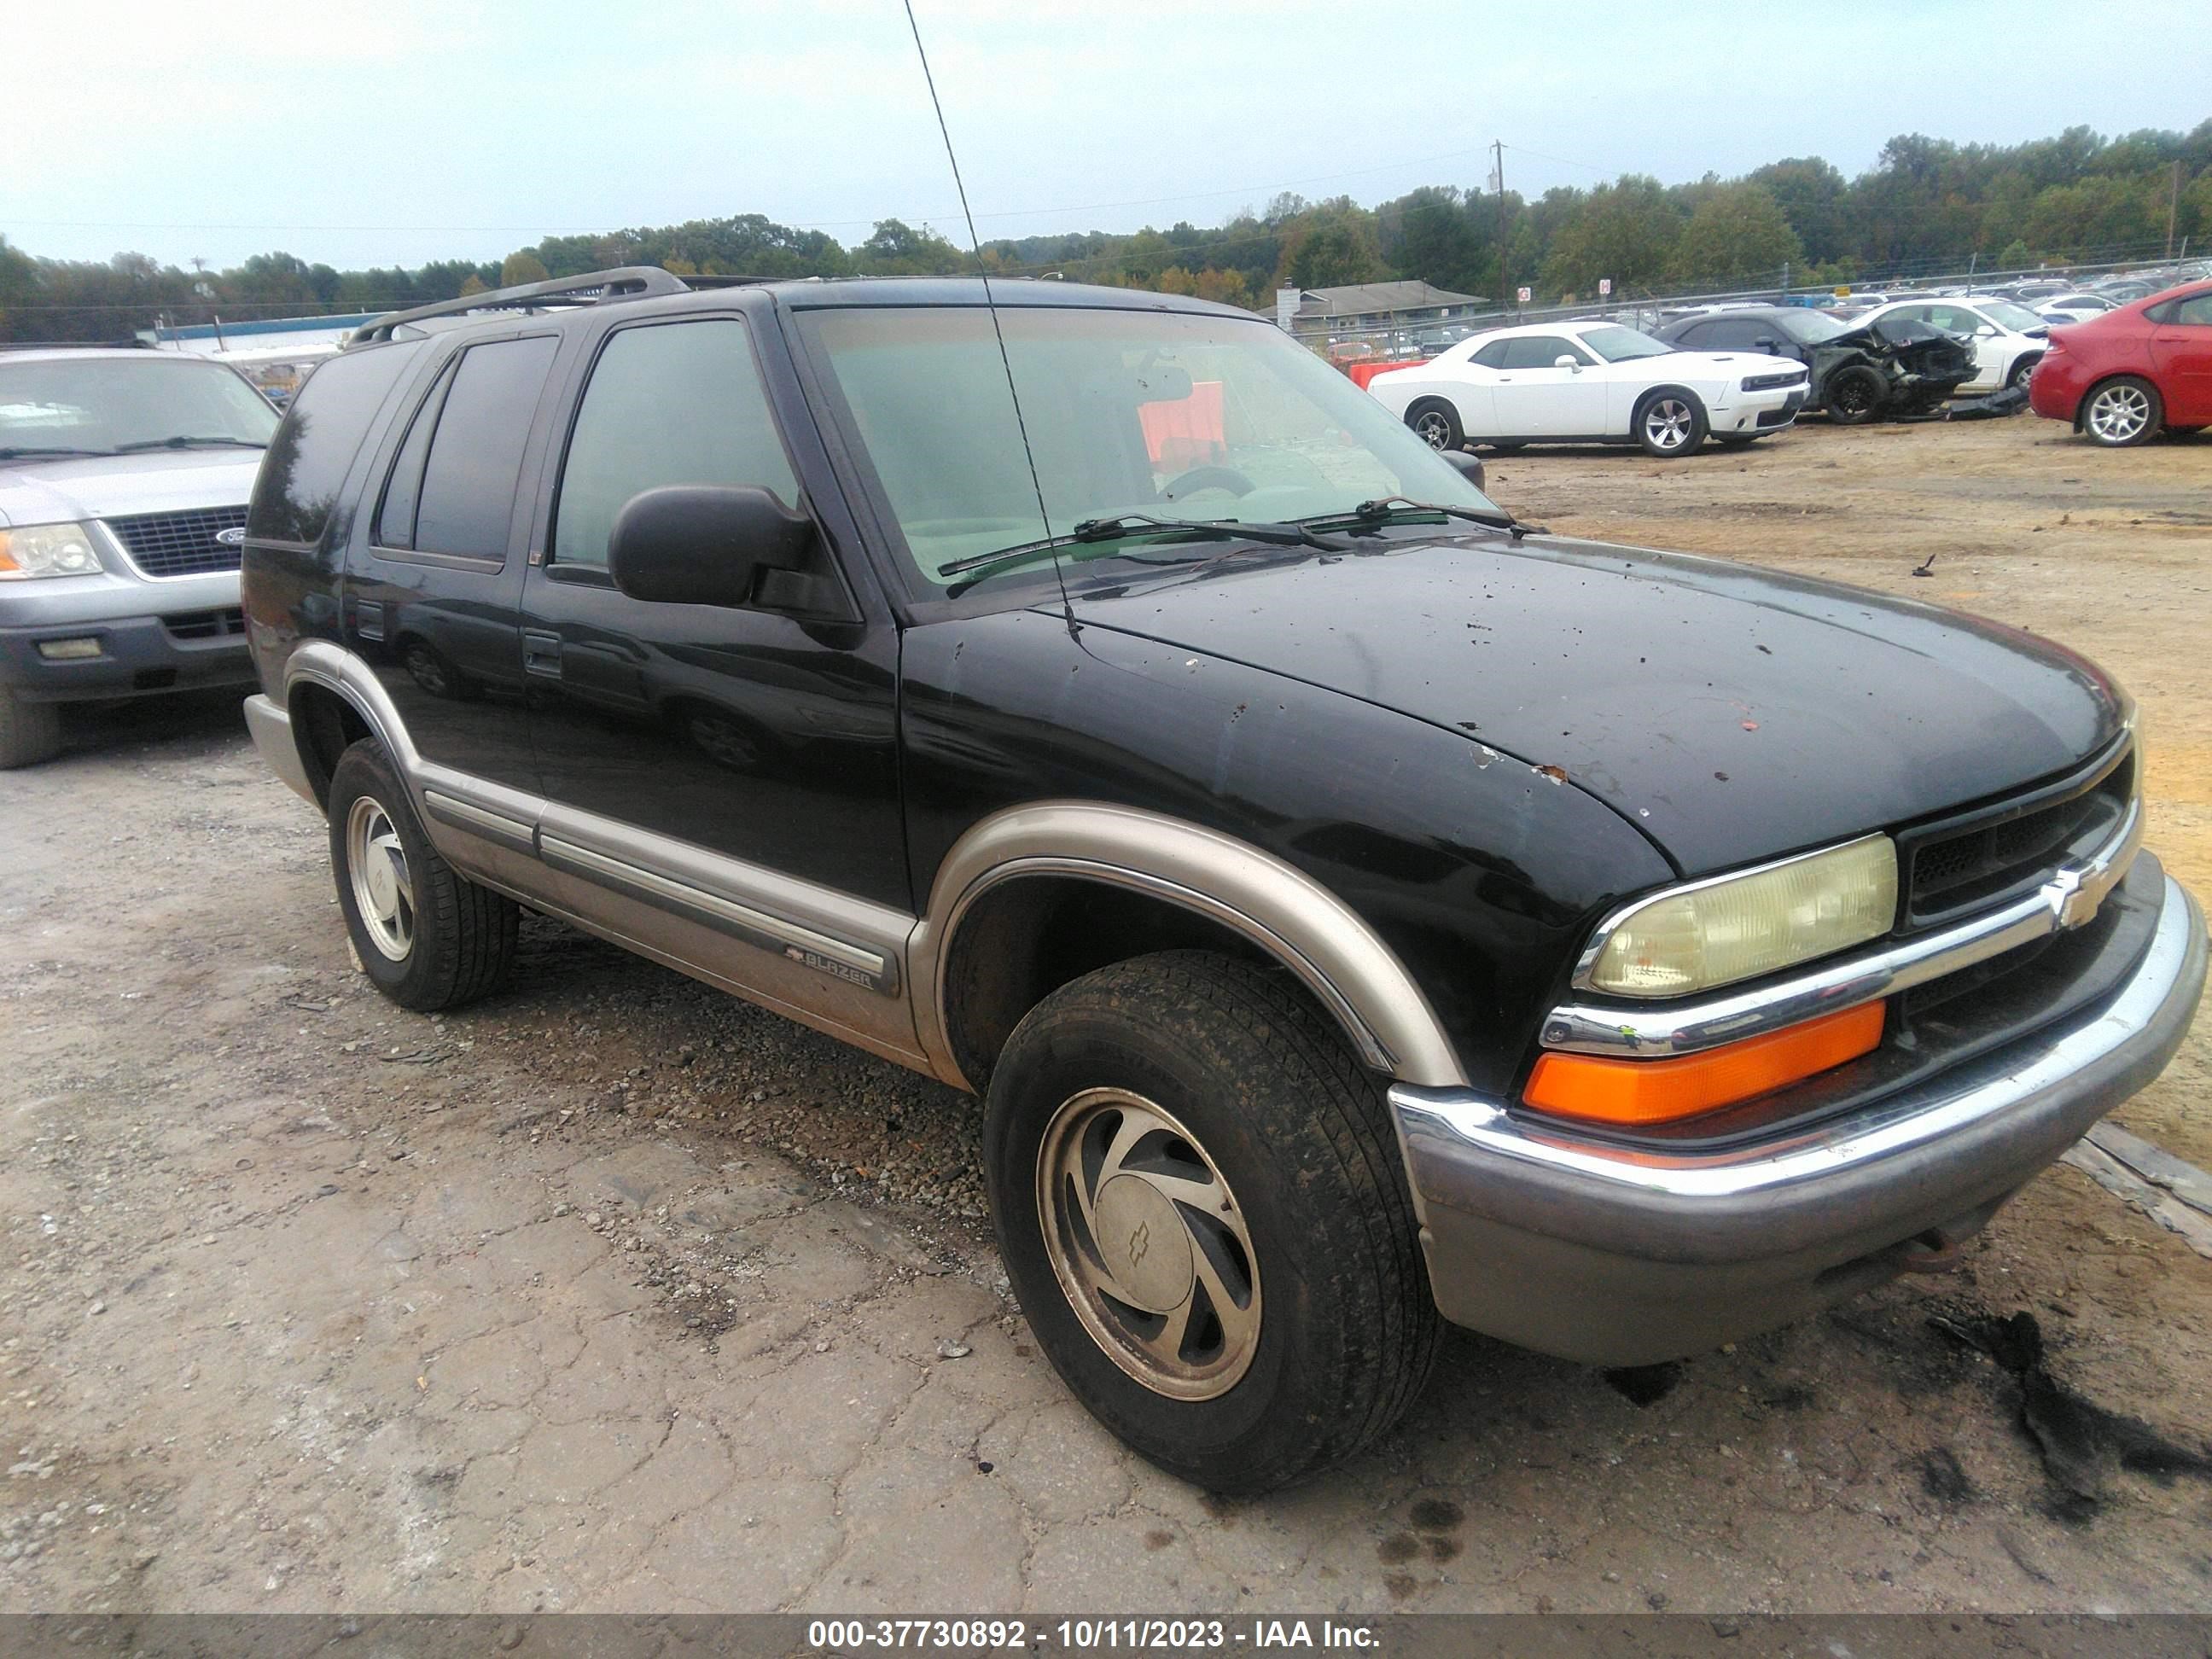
1669, 424
2017, 380
2123, 413
427, 937
1436, 423
29, 731
1855, 396
1199, 1199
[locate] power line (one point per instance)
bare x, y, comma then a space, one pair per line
793, 224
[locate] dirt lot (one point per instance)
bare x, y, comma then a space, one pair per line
613, 1293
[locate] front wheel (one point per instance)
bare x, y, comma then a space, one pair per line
1200, 1200
1669, 424
1436, 423
427, 937
2122, 413
29, 731
1855, 396
2017, 380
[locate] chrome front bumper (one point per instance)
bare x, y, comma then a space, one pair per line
1616, 1257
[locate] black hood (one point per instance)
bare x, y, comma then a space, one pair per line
1916, 347
1732, 713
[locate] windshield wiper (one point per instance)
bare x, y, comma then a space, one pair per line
1375, 512
32, 449
183, 442
1124, 525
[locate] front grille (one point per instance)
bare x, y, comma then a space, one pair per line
1998, 853
204, 624
180, 543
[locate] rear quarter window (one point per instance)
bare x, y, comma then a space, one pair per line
306, 462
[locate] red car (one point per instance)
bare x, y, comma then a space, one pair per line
2125, 377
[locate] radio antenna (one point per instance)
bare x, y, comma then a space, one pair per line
975, 243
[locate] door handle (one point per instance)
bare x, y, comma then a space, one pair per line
541, 653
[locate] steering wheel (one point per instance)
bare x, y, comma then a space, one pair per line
1207, 477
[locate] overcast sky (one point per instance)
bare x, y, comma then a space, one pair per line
360, 132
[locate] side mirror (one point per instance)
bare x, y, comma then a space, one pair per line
1766, 342
1469, 466
1563, 361
706, 544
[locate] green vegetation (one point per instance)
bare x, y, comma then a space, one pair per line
1928, 205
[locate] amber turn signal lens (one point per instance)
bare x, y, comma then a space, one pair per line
1633, 1092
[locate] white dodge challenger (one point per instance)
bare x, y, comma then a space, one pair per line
1591, 382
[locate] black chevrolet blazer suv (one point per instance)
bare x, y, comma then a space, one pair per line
1357, 909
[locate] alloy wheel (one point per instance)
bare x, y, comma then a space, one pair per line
2119, 413
1667, 423
383, 890
1148, 1244
1432, 429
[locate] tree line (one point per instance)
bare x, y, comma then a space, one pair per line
1928, 204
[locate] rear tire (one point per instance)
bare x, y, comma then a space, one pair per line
1436, 423
29, 731
1263, 1312
2123, 412
427, 937
1855, 396
2017, 380
1669, 424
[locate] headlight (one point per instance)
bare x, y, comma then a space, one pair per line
46, 550
1740, 927
1762, 382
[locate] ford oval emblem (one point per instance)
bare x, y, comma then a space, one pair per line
233, 536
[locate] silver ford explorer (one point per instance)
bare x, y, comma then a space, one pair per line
123, 478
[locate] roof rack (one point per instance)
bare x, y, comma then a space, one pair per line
625, 283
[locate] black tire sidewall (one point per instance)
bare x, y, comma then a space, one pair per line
2151, 429
1856, 376
1454, 428
1287, 1403
366, 768
1700, 425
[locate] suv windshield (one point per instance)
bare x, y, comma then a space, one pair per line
102, 404
1175, 414
1617, 345
1809, 327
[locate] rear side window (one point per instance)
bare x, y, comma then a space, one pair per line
395, 517
673, 404
1491, 356
308, 458
475, 450
1539, 351
2195, 312
1740, 334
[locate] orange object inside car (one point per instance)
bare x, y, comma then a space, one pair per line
1637, 1091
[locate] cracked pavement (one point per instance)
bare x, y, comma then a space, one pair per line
612, 1293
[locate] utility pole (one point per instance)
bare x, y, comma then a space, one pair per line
1498, 181
2172, 201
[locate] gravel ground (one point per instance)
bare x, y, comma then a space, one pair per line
613, 1293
